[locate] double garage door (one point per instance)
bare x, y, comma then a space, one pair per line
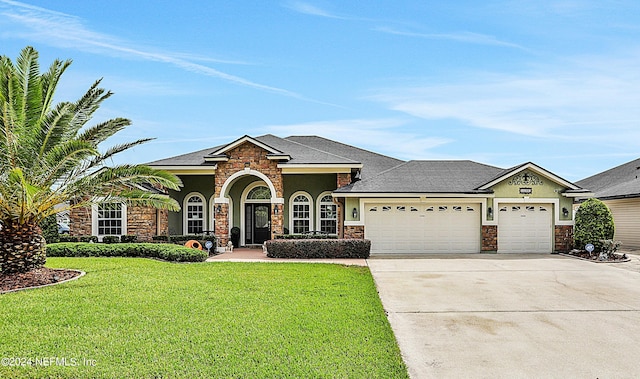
423, 228
449, 227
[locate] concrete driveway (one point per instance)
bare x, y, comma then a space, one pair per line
513, 316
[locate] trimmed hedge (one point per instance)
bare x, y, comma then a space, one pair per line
319, 236
593, 224
181, 239
318, 248
168, 252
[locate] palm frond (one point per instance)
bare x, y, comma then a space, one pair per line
102, 131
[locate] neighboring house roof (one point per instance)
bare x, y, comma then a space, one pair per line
427, 177
619, 182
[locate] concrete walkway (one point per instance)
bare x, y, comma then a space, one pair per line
508, 316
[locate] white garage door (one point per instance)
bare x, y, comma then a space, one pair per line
525, 228
423, 228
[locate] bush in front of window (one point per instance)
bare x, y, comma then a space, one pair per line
167, 252
93, 239
111, 239
318, 248
306, 236
181, 239
129, 238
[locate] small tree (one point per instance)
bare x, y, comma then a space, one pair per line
49, 155
593, 224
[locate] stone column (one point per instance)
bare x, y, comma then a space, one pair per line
222, 223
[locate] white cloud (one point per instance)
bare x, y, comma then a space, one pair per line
463, 36
310, 9
588, 99
63, 30
387, 136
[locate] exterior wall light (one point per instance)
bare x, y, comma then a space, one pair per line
276, 209
490, 212
565, 211
354, 213
219, 209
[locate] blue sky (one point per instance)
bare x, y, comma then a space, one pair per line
499, 82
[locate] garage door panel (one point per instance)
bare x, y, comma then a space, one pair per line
525, 228
419, 228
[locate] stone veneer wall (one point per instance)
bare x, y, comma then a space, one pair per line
354, 231
563, 238
489, 238
257, 159
147, 222
143, 222
80, 222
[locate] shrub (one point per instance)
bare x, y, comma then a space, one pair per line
93, 239
49, 227
129, 238
181, 239
307, 236
167, 252
594, 222
318, 248
68, 238
111, 239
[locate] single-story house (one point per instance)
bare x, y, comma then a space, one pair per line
269, 185
619, 188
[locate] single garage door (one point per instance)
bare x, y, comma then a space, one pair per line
415, 228
525, 228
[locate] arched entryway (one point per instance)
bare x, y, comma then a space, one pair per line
260, 208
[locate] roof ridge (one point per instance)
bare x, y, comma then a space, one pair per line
316, 149
347, 145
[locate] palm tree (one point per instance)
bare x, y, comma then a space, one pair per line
49, 156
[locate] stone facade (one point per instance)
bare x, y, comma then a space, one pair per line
563, 238
143, 222
80, 222
354, 231
489, 238
343, 180
247, 156
147, 222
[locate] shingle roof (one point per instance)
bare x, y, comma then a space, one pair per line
427, 177
618, 182
373, 163
306, 150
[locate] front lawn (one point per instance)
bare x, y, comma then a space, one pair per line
140, 318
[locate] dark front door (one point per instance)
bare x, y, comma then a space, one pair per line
257, 223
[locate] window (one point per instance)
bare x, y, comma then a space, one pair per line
259, 193
111, 219
194, 214
301, 213
328, 215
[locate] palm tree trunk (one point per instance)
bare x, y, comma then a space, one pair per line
22, 247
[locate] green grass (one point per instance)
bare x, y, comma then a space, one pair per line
140, 318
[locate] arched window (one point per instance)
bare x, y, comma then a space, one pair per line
259, 193
327, 214
194, 214
300, 213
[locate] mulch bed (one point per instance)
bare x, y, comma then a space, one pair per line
34, 278
594, 257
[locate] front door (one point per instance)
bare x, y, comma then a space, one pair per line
257, 223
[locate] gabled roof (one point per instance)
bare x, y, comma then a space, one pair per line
427, 177
221, 153
619, 182
572, 188
291, 152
